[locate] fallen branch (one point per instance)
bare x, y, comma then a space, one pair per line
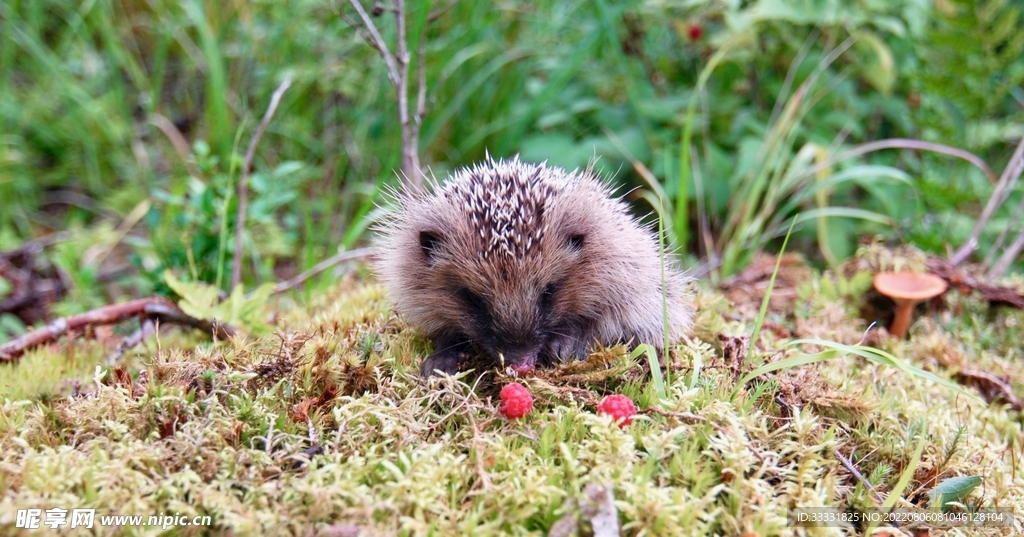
243, 183
156, 308
964, 282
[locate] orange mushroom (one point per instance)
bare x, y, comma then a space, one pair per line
907, 289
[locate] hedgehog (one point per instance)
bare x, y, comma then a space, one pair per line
527, 265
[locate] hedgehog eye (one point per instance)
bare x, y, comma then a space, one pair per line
473, 300
575, 242
548, 295
430, 243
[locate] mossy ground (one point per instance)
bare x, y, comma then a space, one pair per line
326, 427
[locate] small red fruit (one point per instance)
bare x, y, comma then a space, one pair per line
516, 401
619, 407
696, 32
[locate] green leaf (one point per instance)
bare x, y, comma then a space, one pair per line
200, 300
11, 326
767, 295
882, 357
197, 299
790, 363
845, 212
881, 71
951, 490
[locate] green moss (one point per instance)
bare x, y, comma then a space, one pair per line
226, 430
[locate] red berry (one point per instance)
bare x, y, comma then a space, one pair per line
696, 32
516, 401
619, 407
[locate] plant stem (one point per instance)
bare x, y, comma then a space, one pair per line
243, 183
398, 73
1011, 174
901, 322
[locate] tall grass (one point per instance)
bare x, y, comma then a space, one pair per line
769, 192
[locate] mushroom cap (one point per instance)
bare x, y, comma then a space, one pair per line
909, 286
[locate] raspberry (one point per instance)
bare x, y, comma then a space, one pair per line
619, 407
696, 32
516, 401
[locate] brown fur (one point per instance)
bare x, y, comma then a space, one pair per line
527, 264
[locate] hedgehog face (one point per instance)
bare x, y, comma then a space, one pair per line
518, 310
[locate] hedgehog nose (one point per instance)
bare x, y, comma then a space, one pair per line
522, 364
523, 369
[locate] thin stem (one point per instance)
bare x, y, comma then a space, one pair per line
243, 183
376, 41
905, 143
1011, 174
398, 74
1013, 223
1007, 258
336, 259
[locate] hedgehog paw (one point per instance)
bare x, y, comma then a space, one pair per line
445, 360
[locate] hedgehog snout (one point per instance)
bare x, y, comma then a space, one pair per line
522, 362
516, 356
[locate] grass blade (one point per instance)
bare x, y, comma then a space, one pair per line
882, 357
652, 360
901, 485
767, 295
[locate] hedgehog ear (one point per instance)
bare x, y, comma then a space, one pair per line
575, 242
430, 243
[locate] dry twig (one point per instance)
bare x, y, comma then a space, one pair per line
1010, 175
992, 387
243, 183
398, 74
178, 142
1011, 252
153, 307
146, 329
326, 264
848, 464
683, 416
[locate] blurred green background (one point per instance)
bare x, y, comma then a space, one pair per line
123, 123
